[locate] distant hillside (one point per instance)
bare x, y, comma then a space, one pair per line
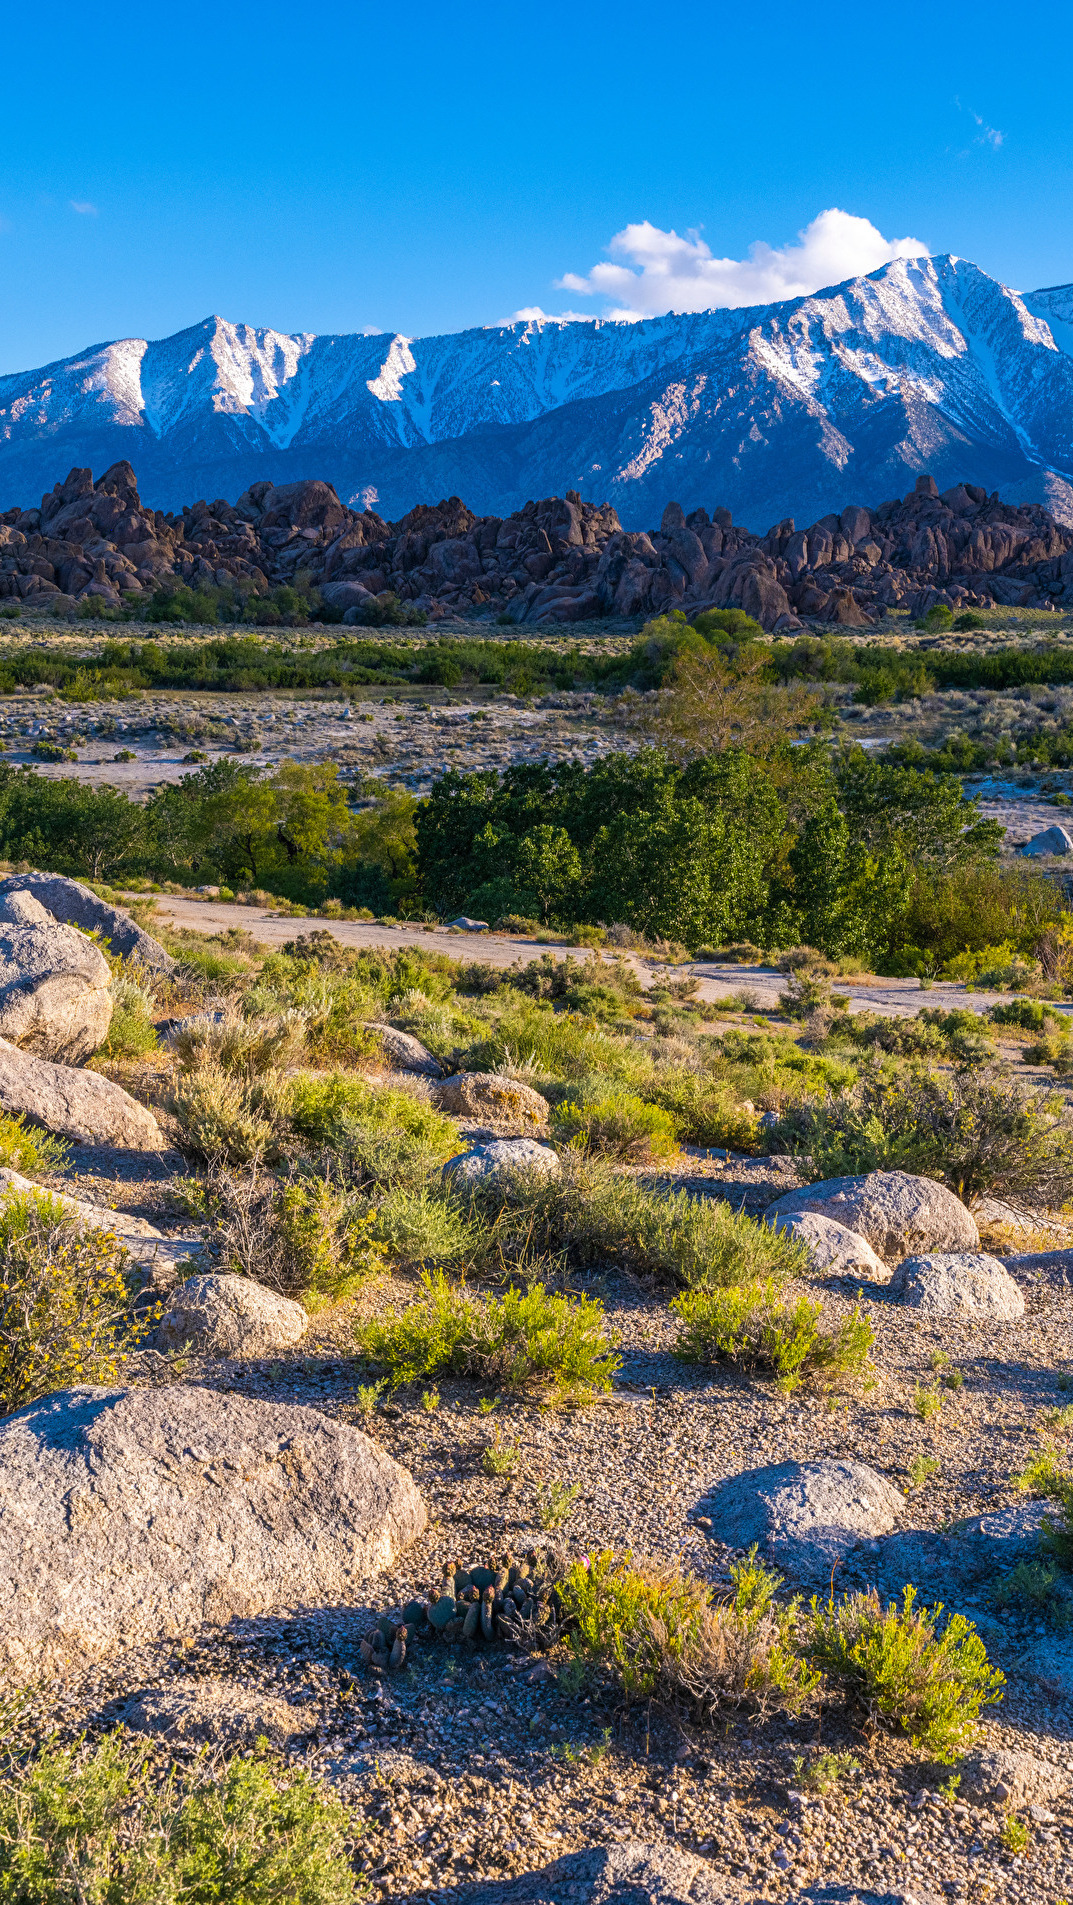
792, 409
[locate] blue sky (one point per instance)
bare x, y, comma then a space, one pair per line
424, 168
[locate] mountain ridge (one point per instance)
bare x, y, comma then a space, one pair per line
795, 408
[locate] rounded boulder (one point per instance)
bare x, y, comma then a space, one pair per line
230, 1316
500, 1160
896, 1212
55, 985
831, 1246
806, 1515
486, 1098
133, 1516
964, 1283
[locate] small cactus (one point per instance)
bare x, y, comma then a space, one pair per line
509, 1600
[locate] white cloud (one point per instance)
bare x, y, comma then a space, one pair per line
664, 272
533, 313
989, 135
83, 207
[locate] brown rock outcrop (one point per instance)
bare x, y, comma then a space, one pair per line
557, 560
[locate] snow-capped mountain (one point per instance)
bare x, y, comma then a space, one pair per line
790, 409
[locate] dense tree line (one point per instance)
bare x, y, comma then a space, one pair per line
793, 849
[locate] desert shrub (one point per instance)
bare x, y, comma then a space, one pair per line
1031, 1015
974, 1130
24, 1148
329, 1109
1032, 1587
752, 1324
419, 1227
591, 1214
64, 1301
221, 1119
1002, 967
245, 1047
89, 1825
1050, 1476
657, 1630
376, 1161
959, 1035
131, 1033
525, 1035
1055, 1049
895, 1664
617, 1126
771, 1069
705, 1110
529, 1338
302, 1235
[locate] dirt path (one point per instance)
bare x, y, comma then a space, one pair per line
899, 998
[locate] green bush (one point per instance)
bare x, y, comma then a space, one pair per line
706, 1111
89, 1825
131, 1033
24, 1148
975, 1130
618, 1126
1032, 1587
303, 1236
894, 1663
656, 1629
221, 1119
330, 1109
522, 1338
246, 1047
592, 1215
64, 1301
419, 1228
751, 1324
1055, 1049
1031, 1015
999, 967
958, 1035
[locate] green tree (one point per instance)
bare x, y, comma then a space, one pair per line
548, 864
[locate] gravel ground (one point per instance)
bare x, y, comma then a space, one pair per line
484, 1767
481, 1767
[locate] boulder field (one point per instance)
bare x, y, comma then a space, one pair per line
557, 560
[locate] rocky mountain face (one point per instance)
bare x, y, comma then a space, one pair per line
785, 409
559, 560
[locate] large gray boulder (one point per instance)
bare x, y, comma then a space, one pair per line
75, 905
75, 1104
55, 984
500, 1160
967, 1283
134, 1515
1052, 840
226, 1315
804, 1515
831, 1246
897, 1213
406, 1053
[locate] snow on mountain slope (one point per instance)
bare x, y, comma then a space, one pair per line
785, 409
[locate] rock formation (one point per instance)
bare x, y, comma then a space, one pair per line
557, 560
